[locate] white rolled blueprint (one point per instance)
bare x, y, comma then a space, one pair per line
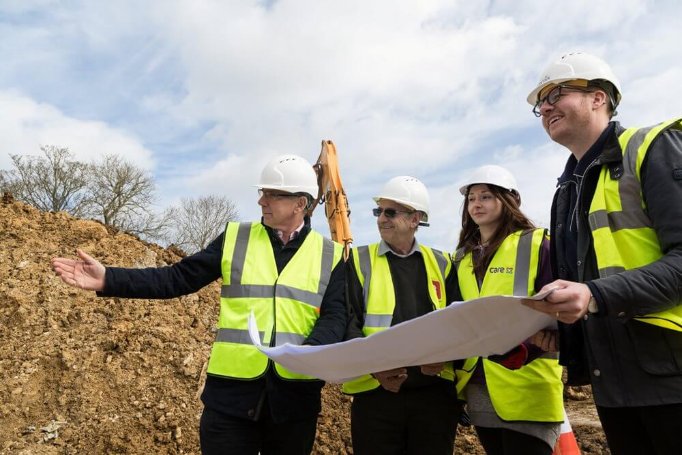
479, 327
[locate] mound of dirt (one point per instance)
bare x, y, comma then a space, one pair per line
81, 374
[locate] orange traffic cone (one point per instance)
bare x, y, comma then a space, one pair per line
566, 444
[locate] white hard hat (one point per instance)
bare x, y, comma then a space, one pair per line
408, 191
577, 65
289, 173
491, 175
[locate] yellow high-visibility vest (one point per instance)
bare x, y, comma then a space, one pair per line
374, 274
286, 306
533, 392
623, 234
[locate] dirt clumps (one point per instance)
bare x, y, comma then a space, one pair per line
82, 374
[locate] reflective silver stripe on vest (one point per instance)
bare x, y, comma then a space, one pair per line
269, 291
378, 320
522, 266
242, 337
326, 266
620, 220
287, 292
247, 290
239, 253
440, 259
371, 320
365, 269
236, 336
238, 290
632, 215
287, 337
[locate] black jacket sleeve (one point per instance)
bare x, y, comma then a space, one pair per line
355, 302
184, 277
657, 286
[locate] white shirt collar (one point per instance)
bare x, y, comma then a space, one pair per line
385, 248
292, 236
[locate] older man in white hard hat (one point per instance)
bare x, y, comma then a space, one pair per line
410, 410
293, 281
617, 249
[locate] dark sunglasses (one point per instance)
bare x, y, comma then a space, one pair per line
390, 213
555, 95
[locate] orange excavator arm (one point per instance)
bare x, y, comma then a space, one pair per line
332, 194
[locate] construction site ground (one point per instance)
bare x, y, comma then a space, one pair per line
86, 375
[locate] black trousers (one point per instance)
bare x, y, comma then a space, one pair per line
419, 421
502, 441
222, 434
653, 430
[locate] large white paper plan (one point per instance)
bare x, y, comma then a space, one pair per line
479, 327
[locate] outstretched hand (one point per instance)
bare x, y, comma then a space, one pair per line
84, 273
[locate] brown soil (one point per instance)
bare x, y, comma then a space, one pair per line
87, 375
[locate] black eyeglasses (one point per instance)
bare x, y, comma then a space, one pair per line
390, 213
274, 196
555, 95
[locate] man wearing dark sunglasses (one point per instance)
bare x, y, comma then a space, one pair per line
412, 410
616, 246
289, 276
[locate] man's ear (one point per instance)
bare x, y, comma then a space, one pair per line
301, 203
600, 99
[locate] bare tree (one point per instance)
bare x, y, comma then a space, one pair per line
5, 181
122, 195
116, 192
51, 183
198, 221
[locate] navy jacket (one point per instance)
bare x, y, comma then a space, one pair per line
286, 400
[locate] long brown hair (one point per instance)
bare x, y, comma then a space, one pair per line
512, 220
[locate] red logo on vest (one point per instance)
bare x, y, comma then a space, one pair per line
436, 287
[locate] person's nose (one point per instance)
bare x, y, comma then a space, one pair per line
545, 107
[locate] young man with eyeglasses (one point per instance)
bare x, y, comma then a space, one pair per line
410, 410
616, 243
289, 276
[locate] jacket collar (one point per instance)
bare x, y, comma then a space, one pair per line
612, 151
605, 150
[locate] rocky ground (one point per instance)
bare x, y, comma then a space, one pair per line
87, 375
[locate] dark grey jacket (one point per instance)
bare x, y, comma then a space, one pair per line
629, 363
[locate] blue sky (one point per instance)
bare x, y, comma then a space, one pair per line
204, 93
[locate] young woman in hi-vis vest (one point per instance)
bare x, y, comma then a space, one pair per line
515, 401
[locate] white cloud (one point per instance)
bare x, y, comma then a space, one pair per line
25, 125
210, 90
